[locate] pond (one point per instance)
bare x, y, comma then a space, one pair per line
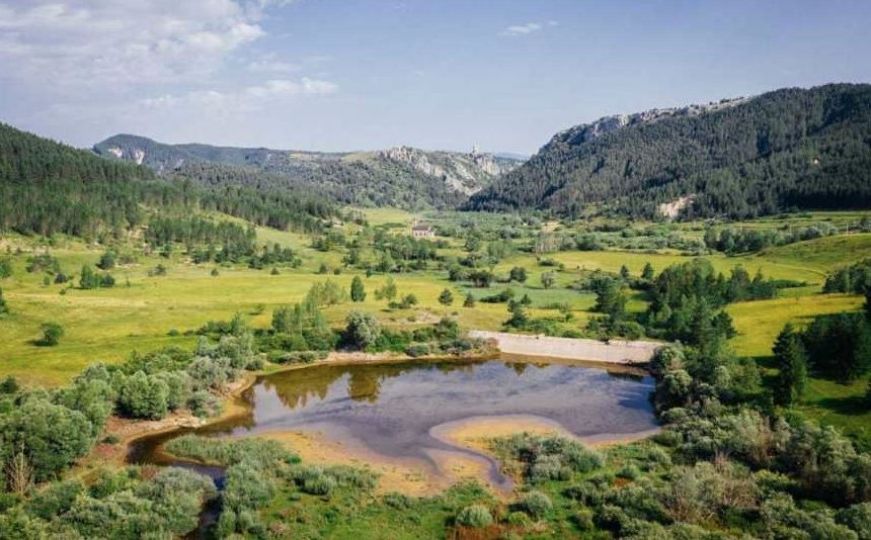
393, 408
396, 410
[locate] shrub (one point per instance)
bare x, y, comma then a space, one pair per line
583, 519
475, 515
51, 334
319, 485
397, 500
143, 396
417, 349
51, 436
518, 519
204, 404
362, 330
858, 518
536, 504
246, 487
55, 499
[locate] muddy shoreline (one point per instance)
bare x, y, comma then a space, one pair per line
472, 458
129, 432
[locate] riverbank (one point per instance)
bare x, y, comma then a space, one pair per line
615, 351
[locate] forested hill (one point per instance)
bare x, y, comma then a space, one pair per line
788, 149
403, 176
47, 188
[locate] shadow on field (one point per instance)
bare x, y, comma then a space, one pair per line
852, 405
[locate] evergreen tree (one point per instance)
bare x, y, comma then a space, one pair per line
647, 273
4, 307
87, 279
610, 299
358, 291
791, 359
446, 298
518, 318
469, 302
839, 346
624, 272
107, 260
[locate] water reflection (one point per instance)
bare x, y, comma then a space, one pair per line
392, 407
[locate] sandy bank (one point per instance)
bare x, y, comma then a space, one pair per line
590, 350
415, 477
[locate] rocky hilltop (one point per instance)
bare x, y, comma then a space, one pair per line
465, 173
401, 176
608, 124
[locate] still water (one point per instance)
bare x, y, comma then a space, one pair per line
392, 408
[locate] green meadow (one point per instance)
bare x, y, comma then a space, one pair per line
145, 312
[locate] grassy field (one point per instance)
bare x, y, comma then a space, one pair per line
140, 312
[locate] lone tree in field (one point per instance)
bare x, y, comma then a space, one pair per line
624, 272
107, 260
469, 301
446, 298
518, 274
51, 334
358, 291
791, 360
548, 280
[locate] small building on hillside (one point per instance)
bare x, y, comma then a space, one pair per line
421, 230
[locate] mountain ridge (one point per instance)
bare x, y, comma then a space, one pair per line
787, 149
423, 178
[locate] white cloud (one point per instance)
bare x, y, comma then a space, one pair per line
269, 63
97, 43
249, 98
526, 29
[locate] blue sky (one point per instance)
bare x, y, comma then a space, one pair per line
346, 75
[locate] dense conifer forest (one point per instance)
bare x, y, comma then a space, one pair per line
48, 188
783, 150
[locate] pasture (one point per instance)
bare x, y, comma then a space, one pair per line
145, 312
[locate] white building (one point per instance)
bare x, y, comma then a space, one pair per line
419, 230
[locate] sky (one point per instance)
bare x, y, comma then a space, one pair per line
339, 75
